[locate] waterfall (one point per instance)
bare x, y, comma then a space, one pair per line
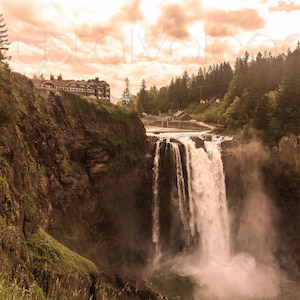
199, 191
200, 222
155, 211
209, 196
180, 191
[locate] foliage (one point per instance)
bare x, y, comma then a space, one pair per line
13, 291
143, 98
289, 95
206, 112
6, 110
14, 288
126, 96
101, 111
3, 39
184, 91
263, 96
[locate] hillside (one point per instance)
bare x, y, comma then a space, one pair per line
70, 170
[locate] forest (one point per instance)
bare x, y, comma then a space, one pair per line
259, 97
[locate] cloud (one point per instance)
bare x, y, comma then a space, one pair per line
283, 6
224, 49
112, 28
26, 54
225, 23
84, 68
131, 11
215, 30
175, 19
98, 33
21, 14
38, 15
173, 22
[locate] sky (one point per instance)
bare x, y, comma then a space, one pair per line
155, 40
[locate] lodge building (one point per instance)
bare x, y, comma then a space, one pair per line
93, 88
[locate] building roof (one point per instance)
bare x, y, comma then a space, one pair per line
92, 87
182, 115
65, 83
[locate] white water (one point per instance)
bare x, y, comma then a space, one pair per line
209, 196
212, 265
179, 192
155, 213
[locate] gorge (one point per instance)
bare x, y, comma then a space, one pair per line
219, 216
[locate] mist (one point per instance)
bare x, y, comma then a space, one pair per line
252, 269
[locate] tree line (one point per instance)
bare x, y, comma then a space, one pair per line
207, 84
260, 95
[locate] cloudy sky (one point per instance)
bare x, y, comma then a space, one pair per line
151, 39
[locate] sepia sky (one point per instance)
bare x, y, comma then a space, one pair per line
151, 39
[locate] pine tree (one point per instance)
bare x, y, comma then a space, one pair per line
126, 96
289, 98
5, 80
143, 99
3, 39
7, 110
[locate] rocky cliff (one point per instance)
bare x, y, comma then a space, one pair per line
72, 172
263, 191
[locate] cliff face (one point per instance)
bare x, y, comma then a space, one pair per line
263, 193
77, 169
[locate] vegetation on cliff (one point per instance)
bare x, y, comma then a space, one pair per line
62, 156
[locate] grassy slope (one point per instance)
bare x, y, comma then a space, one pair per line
46, 253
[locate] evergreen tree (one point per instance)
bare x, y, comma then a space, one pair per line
184, 91
162, 99
6, 107
143, 99
194, 89
126, 96
289, 97
262, 113
152, 96
3, 39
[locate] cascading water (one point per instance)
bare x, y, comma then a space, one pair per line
200, 196
208, 192
199, 190
181, 192
155, 212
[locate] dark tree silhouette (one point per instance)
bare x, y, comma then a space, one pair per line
3, 39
